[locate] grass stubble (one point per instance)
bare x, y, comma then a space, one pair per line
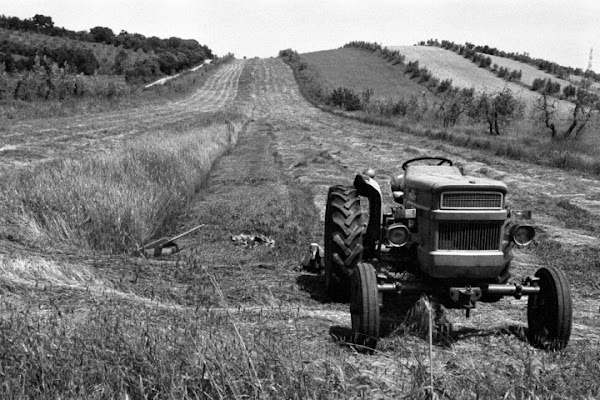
218, 321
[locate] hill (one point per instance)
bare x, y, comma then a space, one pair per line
360, 71
493, 107
445, 64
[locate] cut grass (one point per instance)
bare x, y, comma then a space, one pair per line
219, 321
244, 330
530, 73
116, 201
445, 64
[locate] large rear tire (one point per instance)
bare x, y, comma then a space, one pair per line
343, 240
550, 313
364, 308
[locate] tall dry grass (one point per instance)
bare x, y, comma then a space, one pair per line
117, 200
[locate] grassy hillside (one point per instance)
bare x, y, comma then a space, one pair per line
359, 71
525, 137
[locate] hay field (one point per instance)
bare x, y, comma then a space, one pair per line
223, 321
445, 64
530, 73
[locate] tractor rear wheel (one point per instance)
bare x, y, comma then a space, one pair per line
343, 240
364, 307
550, 313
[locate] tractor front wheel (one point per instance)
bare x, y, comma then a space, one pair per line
550, 312
343, 240
364, 307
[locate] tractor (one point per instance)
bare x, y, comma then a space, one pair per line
452, 234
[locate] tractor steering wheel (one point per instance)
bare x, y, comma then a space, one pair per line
441, 160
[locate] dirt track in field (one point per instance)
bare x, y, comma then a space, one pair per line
27, 143
323, 149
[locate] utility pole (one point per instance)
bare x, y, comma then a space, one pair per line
589, 68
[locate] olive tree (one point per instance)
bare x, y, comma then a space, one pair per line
497, 111
586, 106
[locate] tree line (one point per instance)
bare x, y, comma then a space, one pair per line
468, 51
166, 56
550, 67
76, 59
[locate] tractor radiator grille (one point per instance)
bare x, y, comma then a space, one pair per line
469, 235
485, 200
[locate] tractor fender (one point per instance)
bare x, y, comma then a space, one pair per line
369, 188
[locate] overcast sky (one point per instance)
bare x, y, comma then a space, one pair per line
556, 30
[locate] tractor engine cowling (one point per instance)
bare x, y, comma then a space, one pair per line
461, 222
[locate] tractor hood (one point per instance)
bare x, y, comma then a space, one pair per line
435, 179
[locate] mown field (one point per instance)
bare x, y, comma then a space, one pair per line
228, 320
446, 64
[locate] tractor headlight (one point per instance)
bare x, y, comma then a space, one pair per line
522, 234
398, 234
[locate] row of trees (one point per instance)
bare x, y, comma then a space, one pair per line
586, 108
76, 60
46, 81
586, 104
547, 86
165, 56
134, 41
470, 53
550, 67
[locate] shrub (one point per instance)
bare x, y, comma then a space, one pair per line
412, 68
569, 91
345, 98
515, 75
424, 75
391, 108
552, 88
444, 85
537, 84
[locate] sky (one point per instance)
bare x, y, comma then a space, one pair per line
555, 30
